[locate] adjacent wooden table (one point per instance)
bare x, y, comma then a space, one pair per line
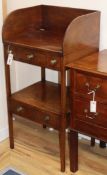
88, 74
49, 37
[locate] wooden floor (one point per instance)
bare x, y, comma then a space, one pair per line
37, 153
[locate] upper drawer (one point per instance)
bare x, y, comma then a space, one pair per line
85, 83
36, 57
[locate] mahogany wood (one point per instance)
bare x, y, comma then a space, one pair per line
49, 37
87, 74
73, 147
42, 95
43, 76
8, 90
92, 141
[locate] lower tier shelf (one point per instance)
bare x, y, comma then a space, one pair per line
40, 102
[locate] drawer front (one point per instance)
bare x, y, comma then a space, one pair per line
35, 115
36, 57
91, 130
85, 83
82, 112
23, 54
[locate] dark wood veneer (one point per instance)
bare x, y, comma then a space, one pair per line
50, 37
45, 96
87, 74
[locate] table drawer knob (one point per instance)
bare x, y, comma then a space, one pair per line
19, 109
53, 61
97, 87
87, 84
30, 56
85, 111
96, 114
94, 89
46, 118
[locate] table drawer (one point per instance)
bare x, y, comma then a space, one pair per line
84, 83
36, 57
91, 130
82, 112
33, 114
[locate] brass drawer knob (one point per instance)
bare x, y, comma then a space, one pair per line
86, 114
97, 87
53, 61
30, 56
90, 117
19, 109
89, 89
46, 118
88, 86
96, 114
85, 111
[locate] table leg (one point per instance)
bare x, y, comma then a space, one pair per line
73, 145
92, 141
102, 144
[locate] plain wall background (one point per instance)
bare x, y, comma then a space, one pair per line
23, 74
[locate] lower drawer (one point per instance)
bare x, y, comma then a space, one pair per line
82, 112
33, 114
90, 130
